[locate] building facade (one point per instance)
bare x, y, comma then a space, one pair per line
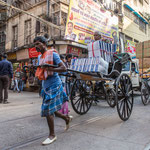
135, 21
22, 28
3, 15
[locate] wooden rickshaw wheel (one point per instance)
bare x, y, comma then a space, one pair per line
81, 99
111, 100
124, 96
145, 93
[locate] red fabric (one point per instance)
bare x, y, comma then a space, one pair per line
46, 58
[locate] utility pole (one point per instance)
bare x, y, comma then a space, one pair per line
48, 7
142, 57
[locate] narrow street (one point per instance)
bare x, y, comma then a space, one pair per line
22, 128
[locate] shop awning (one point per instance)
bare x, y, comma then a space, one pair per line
137, 14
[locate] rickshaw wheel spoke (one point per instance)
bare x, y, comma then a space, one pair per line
124, 99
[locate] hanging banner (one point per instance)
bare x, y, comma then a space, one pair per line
87, 16
130, 48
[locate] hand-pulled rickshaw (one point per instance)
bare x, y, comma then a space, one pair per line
120, 93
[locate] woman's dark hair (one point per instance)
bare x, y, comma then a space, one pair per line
41, 39
69, 56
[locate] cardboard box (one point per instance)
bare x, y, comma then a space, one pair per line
146, 63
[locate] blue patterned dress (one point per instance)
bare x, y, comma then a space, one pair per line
52, 91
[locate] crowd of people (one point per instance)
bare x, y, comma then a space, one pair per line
19, 79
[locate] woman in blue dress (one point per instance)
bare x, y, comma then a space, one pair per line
52, 90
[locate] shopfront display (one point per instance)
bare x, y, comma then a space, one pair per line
80, 52
11, 56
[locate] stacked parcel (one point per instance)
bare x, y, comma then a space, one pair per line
99, 56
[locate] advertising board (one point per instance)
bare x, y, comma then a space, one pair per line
87, 16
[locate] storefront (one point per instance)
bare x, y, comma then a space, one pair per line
76, 51
12, 57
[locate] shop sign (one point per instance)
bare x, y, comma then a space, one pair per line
11, 56
74, 50
22, 54
33, 53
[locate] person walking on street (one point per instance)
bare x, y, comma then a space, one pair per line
17, 76
65, 109
6, 73
68, 79
22, 80
52, 90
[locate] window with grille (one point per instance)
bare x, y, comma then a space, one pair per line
64, 18
15, 36
27, 32
135, 19
2, 37
142, 26
128, 13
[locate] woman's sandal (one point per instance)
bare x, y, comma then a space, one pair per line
68, 124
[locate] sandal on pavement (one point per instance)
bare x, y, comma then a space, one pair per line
49, 141
68, 124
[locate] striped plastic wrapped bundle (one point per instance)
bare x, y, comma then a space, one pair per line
72, 66
101, 49
94, 49
92, 64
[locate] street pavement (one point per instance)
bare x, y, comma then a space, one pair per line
22, 128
